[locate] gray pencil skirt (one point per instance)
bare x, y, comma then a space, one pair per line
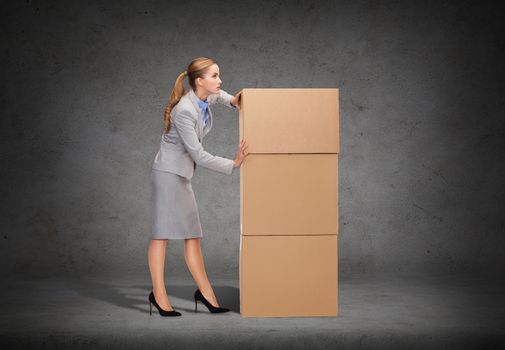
174, 209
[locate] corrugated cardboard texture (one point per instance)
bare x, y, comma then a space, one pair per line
288, 276
290, 120
289, 194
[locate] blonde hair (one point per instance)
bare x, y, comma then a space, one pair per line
196, 69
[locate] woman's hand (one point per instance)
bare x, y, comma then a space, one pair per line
236, 100
242, 152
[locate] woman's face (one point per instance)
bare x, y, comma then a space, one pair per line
211, 81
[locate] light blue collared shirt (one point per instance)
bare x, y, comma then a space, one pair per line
203, 108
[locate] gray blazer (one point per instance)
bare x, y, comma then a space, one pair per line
181, 148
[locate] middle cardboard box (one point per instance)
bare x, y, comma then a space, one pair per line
289, 194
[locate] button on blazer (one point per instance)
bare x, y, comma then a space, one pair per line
181, 148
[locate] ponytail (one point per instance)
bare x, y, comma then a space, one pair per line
177, 92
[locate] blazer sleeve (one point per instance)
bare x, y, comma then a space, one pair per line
185, 125
221, 97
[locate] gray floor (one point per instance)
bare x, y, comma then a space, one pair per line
456, 311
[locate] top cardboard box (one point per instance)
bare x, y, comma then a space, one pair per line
290, 120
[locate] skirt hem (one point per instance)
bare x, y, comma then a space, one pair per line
174, 238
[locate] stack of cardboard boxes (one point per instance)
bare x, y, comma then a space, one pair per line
289, 203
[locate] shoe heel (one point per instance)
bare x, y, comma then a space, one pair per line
152, 300
150, 309
212, 308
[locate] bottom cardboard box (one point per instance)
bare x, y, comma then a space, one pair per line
288, 276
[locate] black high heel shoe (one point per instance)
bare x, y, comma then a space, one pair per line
212, 308
162, 312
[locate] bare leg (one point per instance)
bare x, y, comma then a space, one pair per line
194, 260
156, 259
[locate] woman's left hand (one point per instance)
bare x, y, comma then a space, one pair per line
236, 100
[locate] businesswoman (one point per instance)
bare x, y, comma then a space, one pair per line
188, 119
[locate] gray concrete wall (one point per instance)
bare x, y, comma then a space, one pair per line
422, 131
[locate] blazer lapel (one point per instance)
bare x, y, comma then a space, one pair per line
208, 125
193, 98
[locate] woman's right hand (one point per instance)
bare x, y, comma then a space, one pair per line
241, 153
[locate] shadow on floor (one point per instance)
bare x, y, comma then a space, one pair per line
130, 297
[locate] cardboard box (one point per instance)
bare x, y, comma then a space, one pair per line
289, 194
288, 276
290, 120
